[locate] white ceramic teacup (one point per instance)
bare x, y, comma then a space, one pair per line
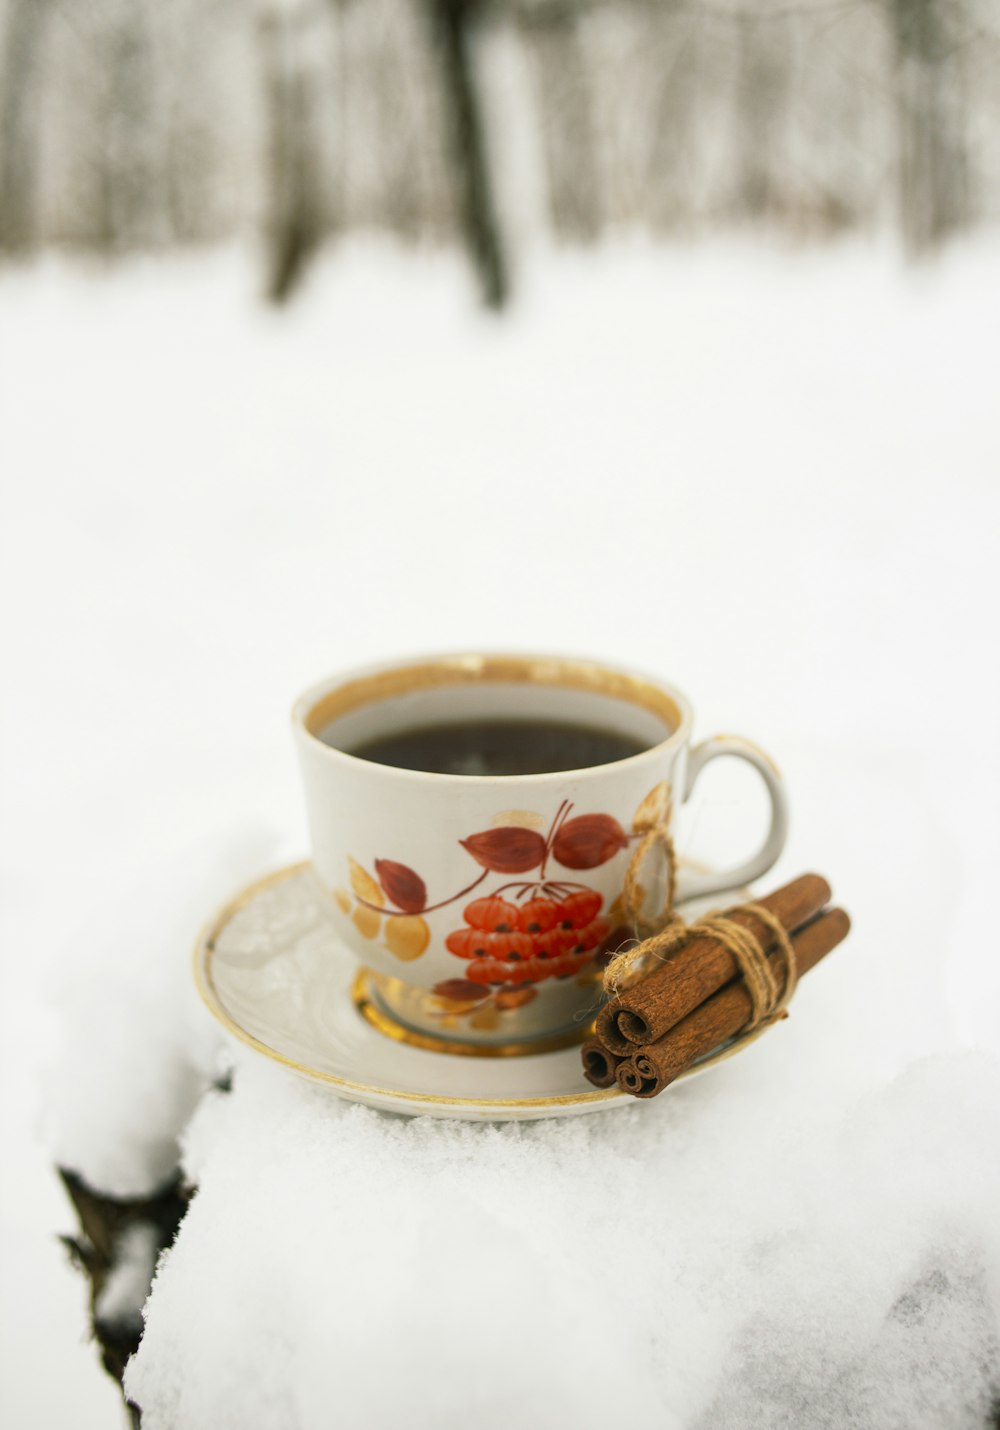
482, 907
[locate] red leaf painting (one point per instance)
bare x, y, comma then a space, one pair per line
588, 840
402, 885
507, 850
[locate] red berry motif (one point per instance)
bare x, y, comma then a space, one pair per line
549, 927
493, 915
509, 944
540, 915
582, 907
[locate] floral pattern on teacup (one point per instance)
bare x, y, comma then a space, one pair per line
535, 926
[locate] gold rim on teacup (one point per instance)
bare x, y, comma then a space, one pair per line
327, 701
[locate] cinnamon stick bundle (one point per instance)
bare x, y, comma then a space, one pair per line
652, 1068
643, 1013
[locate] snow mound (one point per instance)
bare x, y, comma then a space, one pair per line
738, 1254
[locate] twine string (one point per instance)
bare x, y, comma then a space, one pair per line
634, 892
768, 994
665, 934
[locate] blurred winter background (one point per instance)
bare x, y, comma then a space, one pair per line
659, 330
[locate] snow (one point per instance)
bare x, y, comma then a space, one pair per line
768, 476
751, 1244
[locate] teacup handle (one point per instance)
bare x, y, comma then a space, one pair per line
692, 885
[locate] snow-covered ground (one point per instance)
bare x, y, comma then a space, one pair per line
771, 477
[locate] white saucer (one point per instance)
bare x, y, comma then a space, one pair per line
271, 969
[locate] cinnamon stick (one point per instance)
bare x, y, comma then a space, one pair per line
654, 1067
643, 1013
599, 1065
607, 1033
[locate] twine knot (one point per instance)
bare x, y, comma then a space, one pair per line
667, 932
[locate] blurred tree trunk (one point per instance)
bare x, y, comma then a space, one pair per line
294, 187
137, 192
761, 51
565, 114
456, 21
20, 86
933, 177
672, 183
129, 200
